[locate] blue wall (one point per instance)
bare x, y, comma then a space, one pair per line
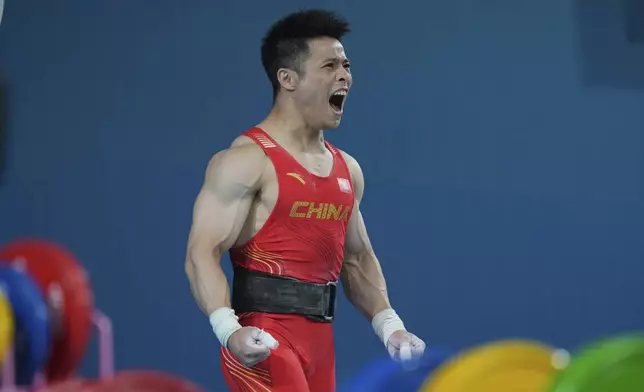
502, 142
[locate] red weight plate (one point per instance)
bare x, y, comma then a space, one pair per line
72, 385
65, 285
145, 381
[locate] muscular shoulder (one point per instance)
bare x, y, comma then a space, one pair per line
241, 165
357, 177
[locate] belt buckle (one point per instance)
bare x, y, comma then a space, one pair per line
333, 289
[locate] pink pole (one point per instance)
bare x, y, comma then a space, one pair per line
105, 345
8, 372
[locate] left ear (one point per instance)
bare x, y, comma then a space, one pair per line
288, 79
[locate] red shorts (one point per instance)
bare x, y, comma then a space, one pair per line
303, 362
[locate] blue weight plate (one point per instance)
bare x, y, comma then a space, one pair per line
32, 336
384, 374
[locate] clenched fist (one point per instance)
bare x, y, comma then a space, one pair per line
251, 345
404, 346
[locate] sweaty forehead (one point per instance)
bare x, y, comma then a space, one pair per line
326, 48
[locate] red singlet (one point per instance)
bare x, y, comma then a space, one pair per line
303, 238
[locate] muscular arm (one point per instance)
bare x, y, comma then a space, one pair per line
365, 286
362, 278
232, 179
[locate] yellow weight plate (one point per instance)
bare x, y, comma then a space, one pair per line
6, 325
502, 366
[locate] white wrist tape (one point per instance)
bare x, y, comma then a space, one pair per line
224, 323
386, 323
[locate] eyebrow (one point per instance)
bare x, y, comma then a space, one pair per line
336, 60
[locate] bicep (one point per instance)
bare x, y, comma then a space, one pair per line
217, 221
357, 239
222, 206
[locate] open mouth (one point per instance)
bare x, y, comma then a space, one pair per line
337, 100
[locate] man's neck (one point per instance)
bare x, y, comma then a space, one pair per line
286, 124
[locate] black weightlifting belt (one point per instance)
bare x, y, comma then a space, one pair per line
255, 291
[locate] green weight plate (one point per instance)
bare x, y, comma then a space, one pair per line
615, 364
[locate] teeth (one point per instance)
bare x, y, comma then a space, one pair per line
341, 92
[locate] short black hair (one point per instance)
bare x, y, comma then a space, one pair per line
286, 42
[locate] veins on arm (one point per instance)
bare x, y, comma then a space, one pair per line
220, 211
362, 277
